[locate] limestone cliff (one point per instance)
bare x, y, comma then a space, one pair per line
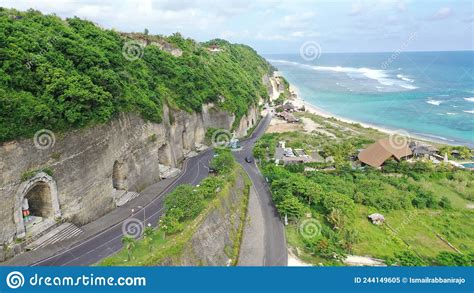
216, 238
83, 169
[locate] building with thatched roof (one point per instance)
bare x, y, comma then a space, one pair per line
288, 117
422, 150
376, 154
288, 107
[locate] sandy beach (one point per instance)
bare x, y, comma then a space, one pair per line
299, 102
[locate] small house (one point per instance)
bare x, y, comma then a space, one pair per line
376, 219
214, 48
289, 107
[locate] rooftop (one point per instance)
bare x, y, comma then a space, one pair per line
376, 154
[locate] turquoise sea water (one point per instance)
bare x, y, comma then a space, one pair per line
430, 94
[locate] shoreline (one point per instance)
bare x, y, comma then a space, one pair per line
310, 108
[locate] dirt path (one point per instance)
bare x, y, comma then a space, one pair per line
294, 261
357, 260
309, 126
279, 125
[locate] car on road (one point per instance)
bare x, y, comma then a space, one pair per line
248, 159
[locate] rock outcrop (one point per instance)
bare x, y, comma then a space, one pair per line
86, 166
217, 238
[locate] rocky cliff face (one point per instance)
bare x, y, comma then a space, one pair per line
85, 168
216, 240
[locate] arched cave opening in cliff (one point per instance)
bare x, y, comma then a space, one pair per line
39, 202
183, 138
119, 176
163, 155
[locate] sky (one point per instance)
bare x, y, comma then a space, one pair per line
279, 26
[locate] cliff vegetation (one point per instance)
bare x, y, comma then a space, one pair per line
70, 73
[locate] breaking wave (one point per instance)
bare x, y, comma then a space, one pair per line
378, 75
434, 102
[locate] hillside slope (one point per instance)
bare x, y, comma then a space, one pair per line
62, 74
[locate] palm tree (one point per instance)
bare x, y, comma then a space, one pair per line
147, 237
129, 243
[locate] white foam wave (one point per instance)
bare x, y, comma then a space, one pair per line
469, 111
434, 136
378, 75
434, 102
450, 113
471, 99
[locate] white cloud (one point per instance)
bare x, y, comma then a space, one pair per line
235, 35
356, 8
296, 21
305, 34
271, 37
442, 13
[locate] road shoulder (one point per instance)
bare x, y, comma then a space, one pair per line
252, 249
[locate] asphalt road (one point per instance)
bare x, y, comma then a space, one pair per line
108, 242
276, 253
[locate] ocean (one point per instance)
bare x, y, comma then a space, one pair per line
428, 94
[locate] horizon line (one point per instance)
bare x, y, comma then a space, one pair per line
372, 52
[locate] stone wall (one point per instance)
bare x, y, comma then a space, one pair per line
81, 162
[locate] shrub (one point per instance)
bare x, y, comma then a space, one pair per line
445, 203
334, 200
210, 186
224, 162
445, 258
184, 202
170, 222
291, 207
406, 258
424, 199
324, 248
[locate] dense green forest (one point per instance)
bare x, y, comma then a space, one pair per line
61, 74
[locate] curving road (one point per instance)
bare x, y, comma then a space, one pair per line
276, 253
108, 242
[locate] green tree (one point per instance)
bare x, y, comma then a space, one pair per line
337, 219
224, 162
334, 200
184, 202
148, 237
129, 242
291, 207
